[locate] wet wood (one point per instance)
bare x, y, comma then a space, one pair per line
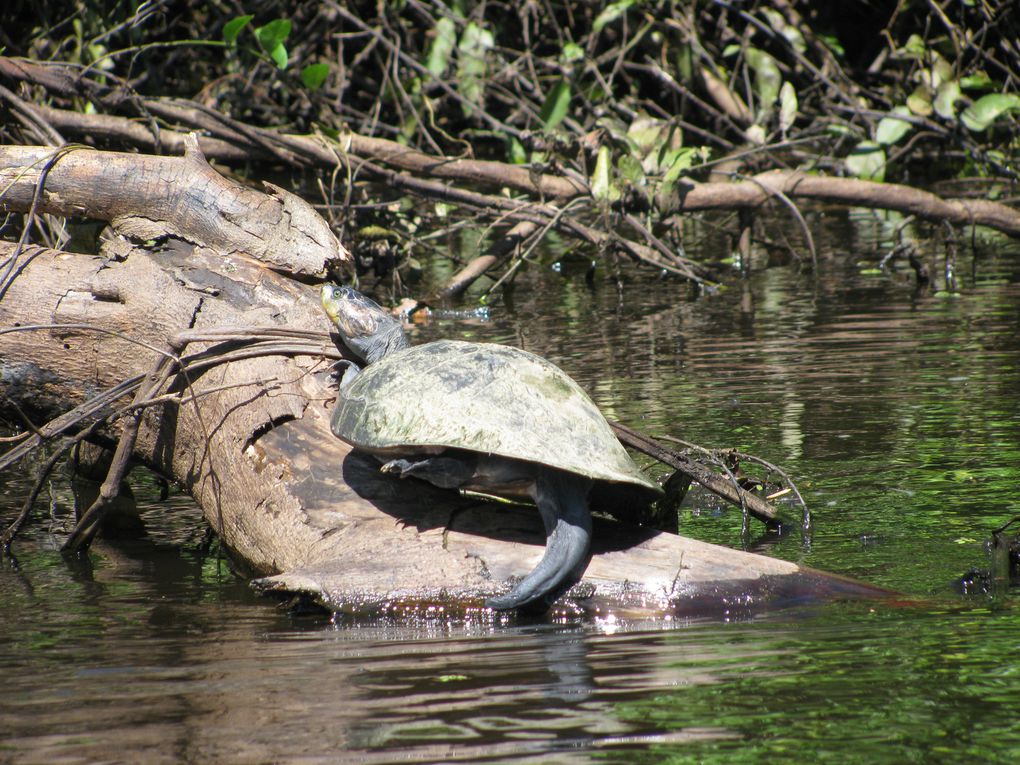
251, 443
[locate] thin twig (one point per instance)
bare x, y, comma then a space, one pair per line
8, 275
781, 196
715, 483
26, 508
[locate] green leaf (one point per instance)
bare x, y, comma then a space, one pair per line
767, 78
646, 133
787, 106
516, 152
611, 13
571, 52
755, 134
472, 66
233, 28
679, 161
442, 46
616, 129
839, 129
273, 34
555, 106
666, 151
408, 127
650, 140
986, 110
977, 81
314, 75
271, 37
683, 60
941, 71
602, 187
279, 56
629, 168
919, 101
946, 96
914, 48
867, 161
777, 21
890, 129
832, 43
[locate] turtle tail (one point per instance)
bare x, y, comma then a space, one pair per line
562, 500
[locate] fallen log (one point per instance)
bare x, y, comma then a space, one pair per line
247, 435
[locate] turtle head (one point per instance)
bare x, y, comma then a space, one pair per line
364, 325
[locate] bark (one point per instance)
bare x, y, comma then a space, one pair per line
250, 439
180, 197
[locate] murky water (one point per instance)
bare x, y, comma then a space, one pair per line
898, 411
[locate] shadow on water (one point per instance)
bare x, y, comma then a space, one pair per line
897, 411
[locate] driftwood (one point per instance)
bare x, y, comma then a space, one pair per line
249, 439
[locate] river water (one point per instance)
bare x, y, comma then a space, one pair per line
896, 409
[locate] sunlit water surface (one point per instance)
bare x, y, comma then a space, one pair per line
899, 412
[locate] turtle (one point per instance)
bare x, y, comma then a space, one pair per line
487, 418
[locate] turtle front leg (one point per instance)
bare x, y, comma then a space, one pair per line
350, 371
444, 472
562, 500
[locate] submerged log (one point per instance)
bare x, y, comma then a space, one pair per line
250, 440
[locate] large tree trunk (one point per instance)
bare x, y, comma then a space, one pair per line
251, 440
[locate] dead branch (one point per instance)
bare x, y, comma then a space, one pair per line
543, 214
715, 483
234, 140
756, 191
507, 245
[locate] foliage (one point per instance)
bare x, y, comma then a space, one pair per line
565, 76
633, 96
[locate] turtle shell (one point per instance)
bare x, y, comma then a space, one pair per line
486, 398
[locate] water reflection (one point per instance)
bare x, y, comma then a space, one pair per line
253, 686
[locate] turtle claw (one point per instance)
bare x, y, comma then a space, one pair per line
399, 468
339, 367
